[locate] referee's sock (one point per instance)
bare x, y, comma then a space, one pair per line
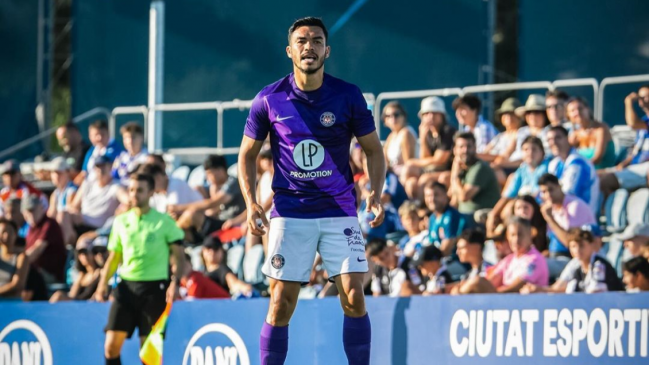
273, 344
357, 338
116, 361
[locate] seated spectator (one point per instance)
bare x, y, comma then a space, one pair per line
535, 117
445, 223
102, 145
526, 207
401, 144
593, 139
168, 190
473, 183
96, 201
555, 109
86, 282
134, 153
413, 242
502, 247
467, 111
393, 193
213, 255
13, 213
561, 212
435, 148
469, 250
195, 285
202, 218
15, 186
524, 181
394, 274
503, 150
62, 196
636, 239
636, 275
156, 159
435, 278
633, 172
524, 265
576, 174
44, 248
74, 147
14, 266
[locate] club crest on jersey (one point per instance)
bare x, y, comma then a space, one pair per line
277, 261
327, 119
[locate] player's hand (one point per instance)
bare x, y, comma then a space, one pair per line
374, 205
255, 214
100, 293
173, 293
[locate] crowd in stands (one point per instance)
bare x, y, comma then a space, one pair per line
511, 206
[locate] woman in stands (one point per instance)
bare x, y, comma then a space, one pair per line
401, 144
527, 207
592, 139
13, 263
85, 284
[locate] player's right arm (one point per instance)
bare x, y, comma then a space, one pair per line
109, 269
247, 180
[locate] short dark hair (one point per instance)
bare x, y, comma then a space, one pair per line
9, 223
546, 179
215, 162
470, 100
557, 93
308, 22
637, 265
464, 135
158, 158
100, 124
148, 179
150, 169
70, 126
535, 141
375, 246
558, 128
435, 185
132, 128
580, 235
645, 86
474, 236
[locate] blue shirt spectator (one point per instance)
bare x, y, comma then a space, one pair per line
578, 177
524, 180
394, 190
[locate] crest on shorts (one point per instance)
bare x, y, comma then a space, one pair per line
277, 261
327, 119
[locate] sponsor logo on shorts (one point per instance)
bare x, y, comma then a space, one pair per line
359, 259
216, 343
277, 261
327, 119
24, 342
354, 237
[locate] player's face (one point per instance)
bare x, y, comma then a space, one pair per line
308, 49
139, 193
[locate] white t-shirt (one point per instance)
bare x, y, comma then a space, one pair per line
178, 192
98, 203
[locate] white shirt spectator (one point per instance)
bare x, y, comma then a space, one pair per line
178, 192
98, 203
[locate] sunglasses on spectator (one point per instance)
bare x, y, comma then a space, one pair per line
393, 115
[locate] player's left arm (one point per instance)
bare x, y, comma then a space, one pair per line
178, 269
376, 170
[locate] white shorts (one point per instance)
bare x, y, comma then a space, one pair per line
293, 243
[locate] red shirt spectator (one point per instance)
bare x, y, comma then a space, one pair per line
201, 287
44, 242
15, 186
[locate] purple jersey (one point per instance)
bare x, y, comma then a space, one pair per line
310, 135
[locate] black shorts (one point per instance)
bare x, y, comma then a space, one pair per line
137, 304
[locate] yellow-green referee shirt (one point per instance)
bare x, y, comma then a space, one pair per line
144, 244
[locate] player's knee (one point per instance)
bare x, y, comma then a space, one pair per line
280, 309
111, 350
354, 302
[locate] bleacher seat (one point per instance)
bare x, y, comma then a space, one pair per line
197, 177
637, 207
615, 210
614, 249
181, 173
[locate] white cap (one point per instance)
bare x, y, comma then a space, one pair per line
634, 230
432, 104
59, 164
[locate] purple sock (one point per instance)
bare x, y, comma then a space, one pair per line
273, 344
357, 338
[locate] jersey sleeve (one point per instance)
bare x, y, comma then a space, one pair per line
362, 121
570, 178
258, 122
173, 233
114, 240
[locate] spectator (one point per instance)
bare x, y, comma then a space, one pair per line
503, 150
133, 155
168, 190
594, 273
593, 139
102, 145
15, 186
467, 111
14, 266
636, 274
202, 218
469, 250
44, 248
394, 274
555, 109
435, 148
73, 146
393, 193
13, 213
62, 196
636, 239
561, 212
96, 201
473, 183
156, 159
632, 173
435, 278
524, 181
535, 117
414, 240
195, 285
502, 247
446, 223
86, 282
213, 255
526, 207
576, 173
524, 265
401, 144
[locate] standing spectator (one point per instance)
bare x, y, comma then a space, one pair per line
435, 148
593, 139
636, 239
14, 265
535, 117
435, 278
213, 256
74, 147
44, 248
14, 184
168, 190
446, 223
555, 105
636, 274
401, 144
414, 240
470, 245
62, 196
576, 173
467, 111
394, 275
473, 183
87, 280
561, 212
102, 145
134, 153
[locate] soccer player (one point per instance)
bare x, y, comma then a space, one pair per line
311, 117
140, 241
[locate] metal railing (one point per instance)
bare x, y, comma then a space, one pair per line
615, 81
128, 110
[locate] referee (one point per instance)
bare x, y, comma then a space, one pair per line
140, 241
